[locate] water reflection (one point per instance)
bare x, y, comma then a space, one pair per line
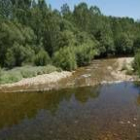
14, 107
109, 112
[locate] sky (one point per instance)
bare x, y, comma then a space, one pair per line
119, 8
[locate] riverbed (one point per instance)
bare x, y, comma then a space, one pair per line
98, 72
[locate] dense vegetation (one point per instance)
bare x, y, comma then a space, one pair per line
31, 33
137, 63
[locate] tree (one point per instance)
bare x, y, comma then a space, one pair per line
65, 58
17, 55
124, 44
137, 62
41, 58
84, 54
65, 10
137, 44
0, 74
32, 28
81, 16
5, 8
95, 10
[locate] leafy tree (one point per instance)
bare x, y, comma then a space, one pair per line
137, 44
124, 44
65, 58
16, 55
137, 62
5, 8
0, 74
69, 38
65, 10
66, 38
13, 39
84, 54
81, 16
42, 58
95, 10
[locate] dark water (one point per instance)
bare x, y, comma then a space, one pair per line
108, 112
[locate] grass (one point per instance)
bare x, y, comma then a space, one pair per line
18, 73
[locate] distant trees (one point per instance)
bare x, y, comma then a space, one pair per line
32, 33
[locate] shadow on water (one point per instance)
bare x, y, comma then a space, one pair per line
14, 107
108, 112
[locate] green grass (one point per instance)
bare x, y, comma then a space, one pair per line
18, 73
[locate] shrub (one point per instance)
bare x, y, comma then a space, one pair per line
10, 77
124, 44
65, 58
17, 55
0, 74
17, 74
137, 44
84, 54
137, 62
42, 58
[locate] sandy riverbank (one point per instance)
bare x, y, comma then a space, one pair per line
119, 71
100, 72
46, 79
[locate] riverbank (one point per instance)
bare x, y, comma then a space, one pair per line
28, 83
122, 71
104, 71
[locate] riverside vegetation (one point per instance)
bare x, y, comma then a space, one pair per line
33, 34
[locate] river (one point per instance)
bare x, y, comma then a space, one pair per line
79, 110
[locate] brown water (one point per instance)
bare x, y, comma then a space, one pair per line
103, 112
108, 112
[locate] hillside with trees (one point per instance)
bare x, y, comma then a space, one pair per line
32, 33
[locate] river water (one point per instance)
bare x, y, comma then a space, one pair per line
101, 112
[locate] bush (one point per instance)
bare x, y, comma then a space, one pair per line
29, 71
124, 44
84, 54
10, 77
42, 58
137, 62
137, 44
65, 58
17, 74
17, 55
0, 74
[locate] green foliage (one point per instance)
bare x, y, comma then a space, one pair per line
106, 45
17, 74
84, 54
15, 42
41, 58
0, 74
66, 38
137, 62
124, 44
137, 44
5, 8
65, 58
18, 54
32, 33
